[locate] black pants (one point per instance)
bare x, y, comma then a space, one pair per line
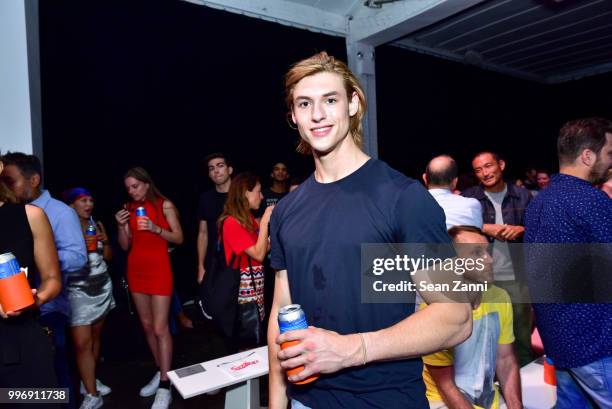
26, 357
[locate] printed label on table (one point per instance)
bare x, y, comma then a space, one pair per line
247, 365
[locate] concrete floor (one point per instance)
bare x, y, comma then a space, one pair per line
127, 364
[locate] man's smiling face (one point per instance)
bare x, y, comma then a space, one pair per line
322, 111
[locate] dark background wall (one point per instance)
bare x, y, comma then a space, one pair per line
428, 106
163, 83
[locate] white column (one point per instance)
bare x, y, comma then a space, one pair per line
361, 60
20, 112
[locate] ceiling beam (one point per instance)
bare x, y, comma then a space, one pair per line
284, 12
581, 73
396, 20
419, 48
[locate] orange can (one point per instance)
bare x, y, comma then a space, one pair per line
141, 213
297, 370
15, 291
292, 317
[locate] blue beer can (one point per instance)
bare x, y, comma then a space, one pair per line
8, 265
291, 317
141, 211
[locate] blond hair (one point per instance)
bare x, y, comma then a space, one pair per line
322, 62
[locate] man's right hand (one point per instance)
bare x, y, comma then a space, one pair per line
320, 351
511, 232
122, 217
201, 272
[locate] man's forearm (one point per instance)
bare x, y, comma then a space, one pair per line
508, 374
453, 397
437, 327
277, 395
202, 244
489, 229
444, 378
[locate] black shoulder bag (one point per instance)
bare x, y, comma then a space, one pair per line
250, 328
218, 293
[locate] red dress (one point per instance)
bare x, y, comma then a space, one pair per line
148, 270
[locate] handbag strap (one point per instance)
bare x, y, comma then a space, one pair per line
251, 272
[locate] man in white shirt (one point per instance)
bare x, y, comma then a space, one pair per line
440, 177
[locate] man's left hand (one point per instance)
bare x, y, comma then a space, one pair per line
320, 351
511, 232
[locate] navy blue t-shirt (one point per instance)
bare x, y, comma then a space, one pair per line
316, 233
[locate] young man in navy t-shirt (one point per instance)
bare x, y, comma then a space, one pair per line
367, 354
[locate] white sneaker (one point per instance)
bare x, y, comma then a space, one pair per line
150, 388
92, 402
102, 389
163, 399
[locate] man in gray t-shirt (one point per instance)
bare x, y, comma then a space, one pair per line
502, 261
503, 208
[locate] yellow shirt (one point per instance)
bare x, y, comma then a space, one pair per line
474, 359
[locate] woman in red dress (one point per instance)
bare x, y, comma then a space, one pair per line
148, 272
245, 238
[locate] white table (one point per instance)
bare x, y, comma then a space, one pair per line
242, 392
537, 394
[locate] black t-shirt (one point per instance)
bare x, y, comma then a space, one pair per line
316, 232
209, 209
271, 198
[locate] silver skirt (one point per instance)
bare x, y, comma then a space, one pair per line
91, 298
